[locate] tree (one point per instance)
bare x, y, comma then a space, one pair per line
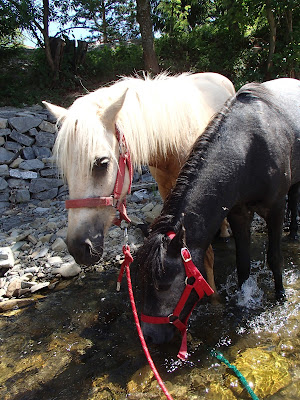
146, 29
107, 20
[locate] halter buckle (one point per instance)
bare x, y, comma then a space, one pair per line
186, 250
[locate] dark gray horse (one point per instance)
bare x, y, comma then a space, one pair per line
247, 161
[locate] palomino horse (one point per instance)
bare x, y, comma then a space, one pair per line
155, 120
248, 159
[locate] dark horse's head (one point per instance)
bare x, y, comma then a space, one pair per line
164, 278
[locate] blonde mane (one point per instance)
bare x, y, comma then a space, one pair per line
159, 116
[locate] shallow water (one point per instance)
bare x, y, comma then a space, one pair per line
80, 342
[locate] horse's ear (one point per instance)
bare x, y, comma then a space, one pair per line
111, 112
56, 111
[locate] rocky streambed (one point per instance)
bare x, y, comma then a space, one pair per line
33, 252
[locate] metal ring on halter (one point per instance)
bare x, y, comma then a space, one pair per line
172, 315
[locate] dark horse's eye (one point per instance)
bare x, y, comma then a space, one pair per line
100, 164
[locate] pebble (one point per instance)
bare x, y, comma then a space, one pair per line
67, 270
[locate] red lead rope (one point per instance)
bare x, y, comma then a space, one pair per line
126, 265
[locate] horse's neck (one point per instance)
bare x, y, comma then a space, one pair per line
208, 199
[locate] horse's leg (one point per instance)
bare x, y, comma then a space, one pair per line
209, 269
240, 222
274, 222
224, 230
293, 197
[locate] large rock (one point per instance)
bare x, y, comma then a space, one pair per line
42, 184
47, 127
32, 165
3, 123
21, 138
6, 157
24, 123
3, 184
6, 258
67, 270
16, 173
45, 139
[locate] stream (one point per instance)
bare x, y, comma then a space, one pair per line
79, 342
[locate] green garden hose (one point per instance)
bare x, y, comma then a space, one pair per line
240, 376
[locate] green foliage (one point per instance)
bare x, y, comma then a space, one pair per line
25, 76
107, 62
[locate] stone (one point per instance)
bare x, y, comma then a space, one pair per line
16, 173
4, 170
13, 303
54, 261
40, 253
67, 270
14, 287
47, 127
24, 123
33, 132
22, 196
39, 286
31, 165
59, 245
12, 146
28, 153
47, 194
49, 172
3, 123
17, 183
42, 152
141, 380
21, 138
148, 207
42, 184
267, 370
16, 163
5, 132
6, 257
4, 197
45, 139
2, 141
3, 184
6, 157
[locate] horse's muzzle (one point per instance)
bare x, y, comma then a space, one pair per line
86, 251
158, 333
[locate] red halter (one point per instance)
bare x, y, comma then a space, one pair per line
114, 199
201, 287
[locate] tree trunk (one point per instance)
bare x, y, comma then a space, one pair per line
272, 24
104, 23
145, 22
289, 22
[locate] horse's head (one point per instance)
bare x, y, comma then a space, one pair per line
87, 151
164, 281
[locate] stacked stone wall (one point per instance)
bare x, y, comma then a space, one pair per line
27, 170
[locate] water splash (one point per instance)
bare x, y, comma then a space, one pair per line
250, 296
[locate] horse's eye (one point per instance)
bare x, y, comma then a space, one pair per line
101, 163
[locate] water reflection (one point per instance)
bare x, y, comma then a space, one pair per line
81, 343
